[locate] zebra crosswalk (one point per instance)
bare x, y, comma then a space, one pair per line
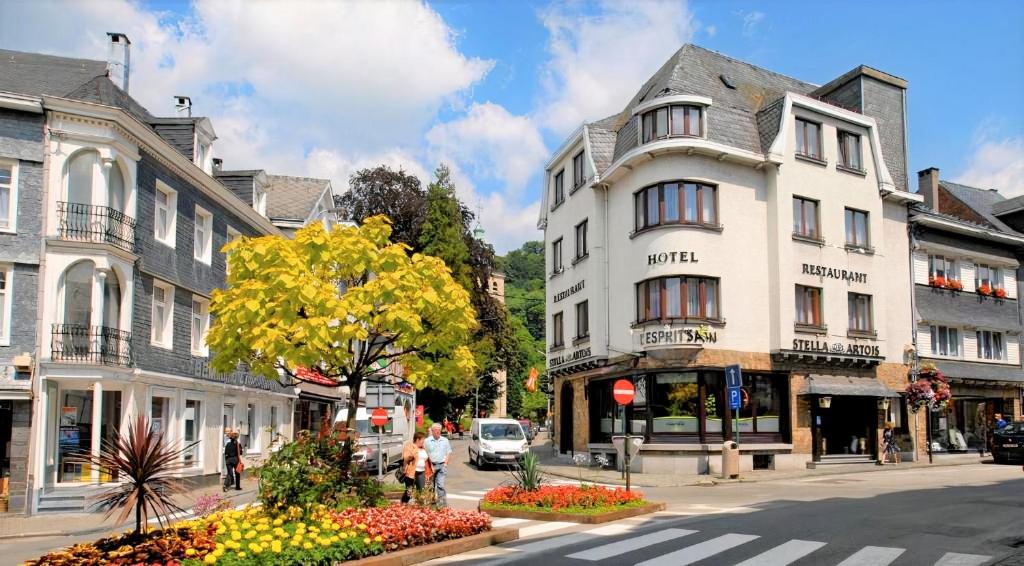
652, 542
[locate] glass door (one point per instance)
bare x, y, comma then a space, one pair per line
74, 435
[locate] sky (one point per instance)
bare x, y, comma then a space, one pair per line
324, 89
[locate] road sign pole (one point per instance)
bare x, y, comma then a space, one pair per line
628, 444
380, 434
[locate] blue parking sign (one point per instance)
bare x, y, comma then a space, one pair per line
735, 398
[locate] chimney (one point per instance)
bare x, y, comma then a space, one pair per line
218, 164
183, 105
119, 59
928, 187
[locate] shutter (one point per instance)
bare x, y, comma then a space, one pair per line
970, 345
1012, 349
920, 268
1010, 282
924, 340
967, 276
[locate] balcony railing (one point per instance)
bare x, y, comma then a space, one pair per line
91, 345
101, 224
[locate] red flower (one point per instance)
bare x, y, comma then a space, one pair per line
985, 289
1000, 293
403, 526
557, 497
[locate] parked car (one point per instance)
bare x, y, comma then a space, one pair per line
1008, 443
497, 441
528, 429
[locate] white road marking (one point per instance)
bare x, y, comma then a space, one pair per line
783, 554
955, 559
545, 527
462, 497
873, 556
699, 551
630, 545
475, 492
508, 522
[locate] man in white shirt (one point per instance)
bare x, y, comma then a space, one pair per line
439, 450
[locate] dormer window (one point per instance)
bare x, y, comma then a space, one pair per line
683, 120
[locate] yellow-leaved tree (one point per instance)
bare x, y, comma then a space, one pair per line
340, 301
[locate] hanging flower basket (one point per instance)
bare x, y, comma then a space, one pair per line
930, 389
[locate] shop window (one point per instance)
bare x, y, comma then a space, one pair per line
193, 432
74, 434
675, 406
159, 414
761, 407
945, 341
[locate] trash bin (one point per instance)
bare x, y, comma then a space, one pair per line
730, 460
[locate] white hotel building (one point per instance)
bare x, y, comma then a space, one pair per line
727, 215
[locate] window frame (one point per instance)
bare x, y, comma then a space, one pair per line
853, 316
816, 295
170, 238
203, 318
843, 155
950, 267
168, 324
992, 335
578, 169
816, 236
582, 252
849, 212
995, 276
937, 330
801, 137
557, 330
197, 431
557, 257
6, 302
641, 205
558, 188
12, 196
650, 118
644, 304
582, 332
206, 254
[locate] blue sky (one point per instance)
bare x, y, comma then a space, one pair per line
492, 88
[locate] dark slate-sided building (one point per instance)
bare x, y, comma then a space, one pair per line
967, 250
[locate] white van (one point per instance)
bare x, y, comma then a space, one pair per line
497, 441
390, 445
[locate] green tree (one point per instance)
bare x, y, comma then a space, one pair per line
341, 301
443, 227
395, 194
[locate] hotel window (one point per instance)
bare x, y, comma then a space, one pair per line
675, 203
557, 336
203, 235
582, 320
808, 139
577, 170
676, 120
559, 188
581, 240
665, 298
849, 151
941, 266
990, 345
200, 325
856, 228
193, 432
860, 313
163, 315
805, 218
945, 341
8, 206
166, 215
988, 275
556, 256
808, 306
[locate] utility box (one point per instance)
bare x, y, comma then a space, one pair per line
730, 460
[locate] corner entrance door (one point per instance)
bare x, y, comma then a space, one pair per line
565, 419
849, 426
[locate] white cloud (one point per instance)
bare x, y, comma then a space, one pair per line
997, 164
751, 20
491, 143
712, 31
598, 61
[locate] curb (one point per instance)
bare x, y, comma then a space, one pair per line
443, 549
616, 515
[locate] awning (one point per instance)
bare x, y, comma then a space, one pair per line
849, 386
318, 392
15, 395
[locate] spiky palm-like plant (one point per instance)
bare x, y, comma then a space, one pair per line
146, 462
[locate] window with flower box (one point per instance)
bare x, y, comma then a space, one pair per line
988, 280
943, 272
678, 120
675, 202
680, 297
945, 341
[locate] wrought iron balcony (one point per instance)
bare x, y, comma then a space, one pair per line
91, 345
101, 224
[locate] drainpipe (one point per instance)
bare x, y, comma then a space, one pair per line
607, 275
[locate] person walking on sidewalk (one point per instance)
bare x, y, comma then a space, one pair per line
439, 450
416, 466
233, 462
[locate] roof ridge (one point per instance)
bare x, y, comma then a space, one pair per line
5, 52
299, 177
973, 188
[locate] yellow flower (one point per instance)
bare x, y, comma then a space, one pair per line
362, 526
335, 526
314, 530
275, 546
280, 532
325, 542
241, 555
366, 540
250, 534
219, 552
254, 547
278, 522
378, 538
294, 543
246, 525
352, 534
190, 552
266, 538
300, 526
342, 535
263, 520
210, 559
348, 523
307, 545
334, 538
235, 535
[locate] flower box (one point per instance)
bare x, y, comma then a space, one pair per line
590, 518
1000, 293
579, 503
985, 290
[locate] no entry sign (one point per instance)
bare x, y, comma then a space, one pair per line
379, 417
623, 392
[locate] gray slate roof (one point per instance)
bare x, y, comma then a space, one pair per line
1008, 205
732, 119
981, 201
944, 307
293, 198
987, 372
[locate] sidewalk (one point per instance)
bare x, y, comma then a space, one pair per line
14, 525
562, 466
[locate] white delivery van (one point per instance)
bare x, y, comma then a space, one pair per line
399, 430
497, 441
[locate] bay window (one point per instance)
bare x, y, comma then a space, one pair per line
675, 202
680, 297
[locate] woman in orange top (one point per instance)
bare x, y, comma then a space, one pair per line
416, 465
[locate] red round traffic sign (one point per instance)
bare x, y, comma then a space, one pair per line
379, 417
623, 392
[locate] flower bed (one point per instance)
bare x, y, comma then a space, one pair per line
254, 537
583, 499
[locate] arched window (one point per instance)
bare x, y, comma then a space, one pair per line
115, 188
111, 301
81, 169
78, 283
